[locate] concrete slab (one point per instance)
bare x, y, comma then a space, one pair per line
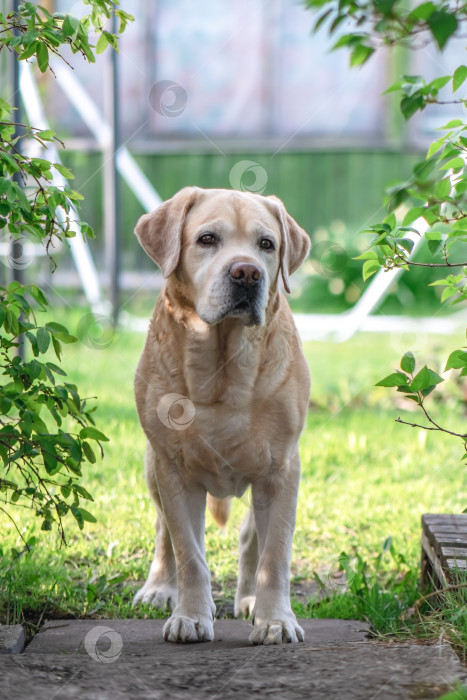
144, 637
12, 639
76, 659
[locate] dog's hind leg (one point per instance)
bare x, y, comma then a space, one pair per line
160, 589
248, 563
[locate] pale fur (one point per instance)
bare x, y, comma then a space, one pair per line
249, 386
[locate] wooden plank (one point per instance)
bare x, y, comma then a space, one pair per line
456, 565
444, 518
450, 527
447, 541
444, 544
438, 547
452, 538
434, 561
456, 552
445, 528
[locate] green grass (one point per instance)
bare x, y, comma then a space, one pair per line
364, 478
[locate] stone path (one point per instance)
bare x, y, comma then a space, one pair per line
113, 659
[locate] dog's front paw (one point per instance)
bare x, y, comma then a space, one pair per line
159, 595
277, 632
184, 629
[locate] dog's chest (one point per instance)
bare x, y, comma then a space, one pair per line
225, 451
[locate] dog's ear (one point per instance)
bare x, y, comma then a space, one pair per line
295, 244
160, 231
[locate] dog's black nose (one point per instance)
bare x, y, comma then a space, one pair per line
245, 273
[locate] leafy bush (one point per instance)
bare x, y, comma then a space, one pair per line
47, 430
432, 203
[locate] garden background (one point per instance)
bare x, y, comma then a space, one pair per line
244, 95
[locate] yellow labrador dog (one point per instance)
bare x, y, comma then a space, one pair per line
222, 389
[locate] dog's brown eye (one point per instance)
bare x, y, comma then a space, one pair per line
207, 239
266, 244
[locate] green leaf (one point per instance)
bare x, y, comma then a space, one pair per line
448, 293
54, 368
102, 43
452, 124
60, 332
112, 40
435, 146
81, 491
43, 339
349, 39
360, 55
449, 280
434, 246
393, 88
66, 172
408, 362
71, 27
423, 11
460, 74
443, 24
87, 516
5, 107
406, 243
412, 215
57, 347
321, 19
38, 295
443, 188
46, 135
425, 379
394, 379
456, 360
78, 516
367, 255
93, 434
42, 57
369, 268
29, 51
65, 490
89, 452
410, 105
51, 463
439, 83
454, 164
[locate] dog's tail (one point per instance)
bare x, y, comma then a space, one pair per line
220, 509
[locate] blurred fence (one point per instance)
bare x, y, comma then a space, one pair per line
317, 187
333, 194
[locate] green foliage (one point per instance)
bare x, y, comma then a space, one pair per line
47, 431
459, 694
382, 598
46, 428
388, 23
432, 203
33, 31
379, 589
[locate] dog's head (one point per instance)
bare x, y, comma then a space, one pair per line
226, 248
